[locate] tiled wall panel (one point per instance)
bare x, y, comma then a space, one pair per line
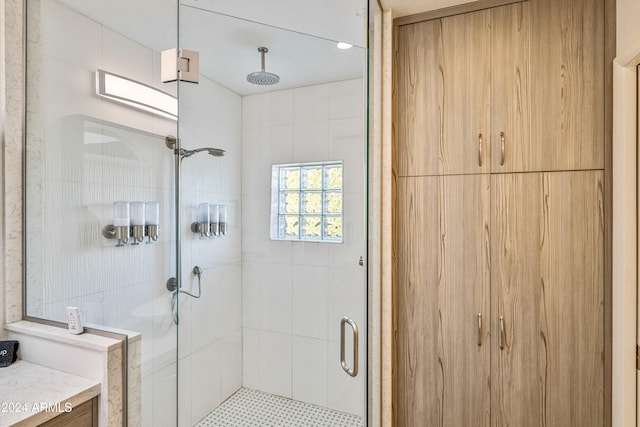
295, 293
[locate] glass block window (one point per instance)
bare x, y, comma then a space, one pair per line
306, 202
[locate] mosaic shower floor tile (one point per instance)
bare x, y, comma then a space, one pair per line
253, 408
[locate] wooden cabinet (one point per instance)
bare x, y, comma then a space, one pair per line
539, 293
443, 85
499, 240
510, 130
547, 275
83, 415
514, 88
566, 85
442, 346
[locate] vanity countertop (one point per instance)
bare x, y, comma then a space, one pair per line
31, 394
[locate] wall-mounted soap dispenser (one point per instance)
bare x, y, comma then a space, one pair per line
132, 221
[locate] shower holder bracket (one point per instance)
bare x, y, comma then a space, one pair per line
172, 284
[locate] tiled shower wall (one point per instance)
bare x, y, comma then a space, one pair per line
294, 294
84, 153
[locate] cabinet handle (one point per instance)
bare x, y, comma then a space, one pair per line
479, 149
479, 329
501, 148
503, 337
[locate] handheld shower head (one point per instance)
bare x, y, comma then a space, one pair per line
171, 141
216, 152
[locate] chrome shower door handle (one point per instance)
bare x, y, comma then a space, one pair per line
352, 372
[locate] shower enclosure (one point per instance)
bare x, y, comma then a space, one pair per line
212, 214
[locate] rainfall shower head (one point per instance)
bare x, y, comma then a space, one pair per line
262, 77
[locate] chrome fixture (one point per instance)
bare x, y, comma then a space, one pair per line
262, 77
138, 218
132, 221
216, 152
121, 222
179, 64
212, 221
152, 220
223, 213
351, 371
171, 141
172, 286
203, 225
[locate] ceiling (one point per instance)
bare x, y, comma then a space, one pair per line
301, 36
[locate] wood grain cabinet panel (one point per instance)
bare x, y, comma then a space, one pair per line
528, 77
442, 284
443, 93
83, 415
567, 85
511, 88
516, 233
547, 281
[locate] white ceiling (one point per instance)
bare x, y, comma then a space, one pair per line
301, 35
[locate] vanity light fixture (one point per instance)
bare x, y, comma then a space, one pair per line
135, 94
344, 46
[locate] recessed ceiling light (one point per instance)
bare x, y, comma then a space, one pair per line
344, 46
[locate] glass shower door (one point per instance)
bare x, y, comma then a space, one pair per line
100, 187
273, 328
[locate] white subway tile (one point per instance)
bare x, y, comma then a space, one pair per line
311, 104
310, 142
310, 370
277, 108
231, 363
251, 358
310, 301
205, 380
275, 363
346, 99
275, 297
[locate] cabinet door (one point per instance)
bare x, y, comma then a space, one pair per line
567, 85
441, 252
547, 284
443, 96
510, 81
